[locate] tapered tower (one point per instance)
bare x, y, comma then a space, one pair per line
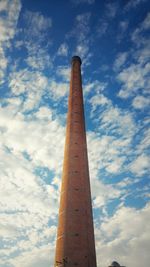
75, 244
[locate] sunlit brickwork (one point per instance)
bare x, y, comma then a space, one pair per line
75, 245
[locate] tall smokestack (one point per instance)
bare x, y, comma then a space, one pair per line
75, 245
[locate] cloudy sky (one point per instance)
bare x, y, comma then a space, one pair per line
37, 40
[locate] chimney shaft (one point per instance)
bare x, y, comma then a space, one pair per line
75, 245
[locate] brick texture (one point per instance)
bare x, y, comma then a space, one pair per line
75, 244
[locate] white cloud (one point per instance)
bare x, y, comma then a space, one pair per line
115, 166
120, 60
41, 150
98, 100
107, 153
113, 150
58, 90
80, 32
36, 41
3, 5
96, 85
109, 13
38, 61
24, 188
117, 129
25, 80
4, 60
140, 102
27, 143
64, 72
33, 85
116, 240
82, 49
118, 122
125, 182
140, 165
102, 193
63, 50
142, 55
44, 113
145, 142
36, 30
8, 26
134, 78
37, 23
146, 22
30, 83
137, 36
38, 257
81, 28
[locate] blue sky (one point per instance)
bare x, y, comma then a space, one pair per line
37, 40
